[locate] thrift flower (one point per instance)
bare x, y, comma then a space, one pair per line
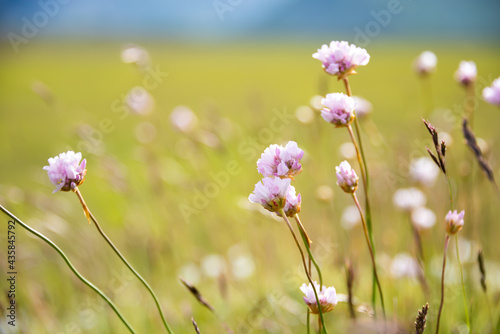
346, 177
341, 58
65, 171
292, 206
327, 297
403, 265
133, 54
184, 119
409, 199
454, 221
426, 63
281, 161
271, 193
423, 218
466, 73
339, 109
492, 94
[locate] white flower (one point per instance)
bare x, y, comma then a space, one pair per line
466, 73
426, 63
327, 297
409, 199
424, 171
403, 265
423, 218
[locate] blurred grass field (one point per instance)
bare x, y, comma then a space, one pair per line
144, 172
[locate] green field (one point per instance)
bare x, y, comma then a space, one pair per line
154, 189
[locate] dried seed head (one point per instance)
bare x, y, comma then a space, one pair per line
443, 148
433, 157
482, 269
421, 319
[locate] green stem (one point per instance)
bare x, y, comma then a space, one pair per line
372, 255
463, 285
366, 183
283, 215
70, 265
129, 266
446, 242
307, 244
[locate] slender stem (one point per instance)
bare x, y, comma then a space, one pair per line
129, 266
446, 242
371, 252
307, 244
358, 154
418, 242
70, 265
305, 268
366, 184
467, 321
308, 321
449, 189
469, 103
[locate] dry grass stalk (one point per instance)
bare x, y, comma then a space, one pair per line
421, 319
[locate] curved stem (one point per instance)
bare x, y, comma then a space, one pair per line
366, 180
307, 244
467, 320
446, 242
70, 265
129, 266
371, 253
283, 215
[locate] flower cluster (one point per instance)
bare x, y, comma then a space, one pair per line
281, 161
279, 165
339, 109
341, 58
492, 94
346, 177
65, 171
327, 297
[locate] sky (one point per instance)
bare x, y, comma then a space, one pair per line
228, 20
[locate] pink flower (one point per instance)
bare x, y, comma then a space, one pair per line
271, 193
341, 58
492, 94
65, 171
339, 109
426, 63
346, 177
293, 201
281, 161
454, 221
466, 73
327, 297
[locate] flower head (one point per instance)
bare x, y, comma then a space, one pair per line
339, 109
281, 161
492, 94
133, 54
466, 73
346, 177
426, 63
409, 199
139, 100
271, 193
424, 171
293, 201
65, 171
423, 218
341, 58
454, 221
327, 297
